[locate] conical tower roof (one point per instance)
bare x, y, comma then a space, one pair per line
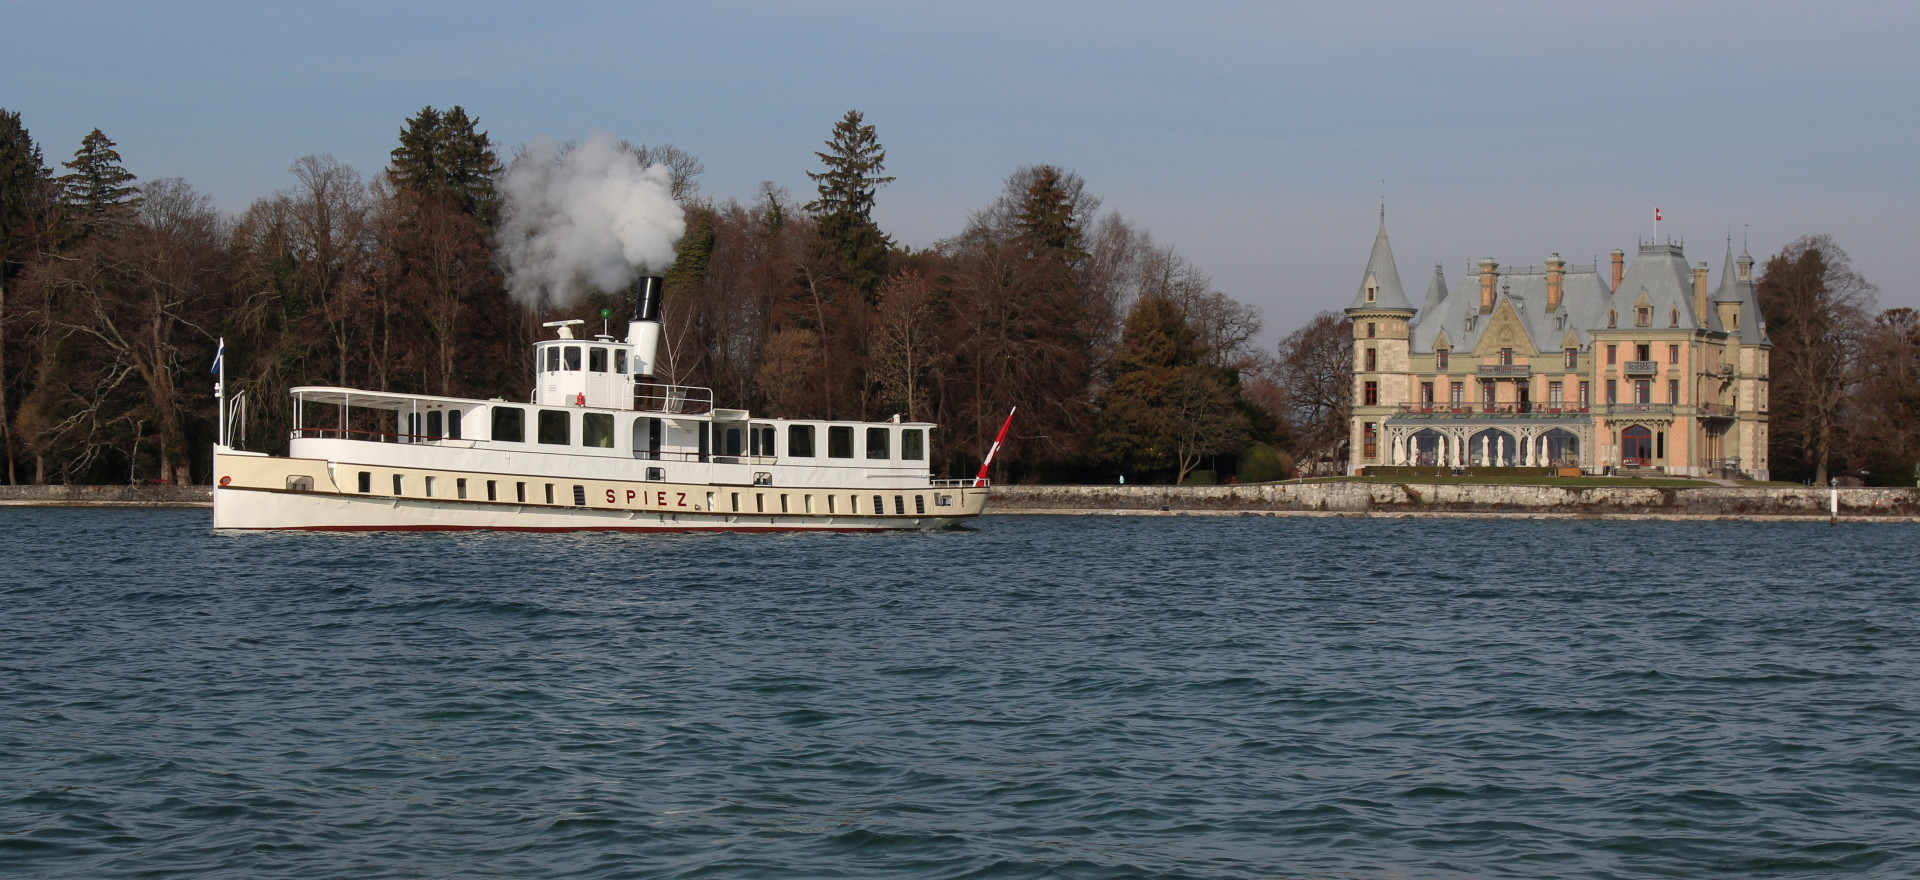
1382, 277
1436, 293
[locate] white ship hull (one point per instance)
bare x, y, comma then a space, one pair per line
251, 493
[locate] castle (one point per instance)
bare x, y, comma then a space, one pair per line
1645, 371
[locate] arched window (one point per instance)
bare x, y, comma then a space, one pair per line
1636, 445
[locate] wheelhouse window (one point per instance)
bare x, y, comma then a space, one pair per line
800, 441
620, 361
510, 423
913, 444
571, 360
878, 443
596, 360
840, 441
436, 424
554, 427
596, 429
553, 359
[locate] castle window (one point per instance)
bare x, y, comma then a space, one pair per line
1673, 354
1440, 360
1486, 391
1643, 317
1674, 320
1673, 390
1613, 319
1554, 393
1613, 391
1372, 360
1372, 394
1369, 329
1506, 357
1426, 393
1643, 352
1370, 293
1458, 393
1643, 391
1573, 358
1583, 394
1612, 350
1370, 441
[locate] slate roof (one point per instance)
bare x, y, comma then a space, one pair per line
1386, 277
1582, 307
1752, 329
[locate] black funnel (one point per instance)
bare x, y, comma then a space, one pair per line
646, 298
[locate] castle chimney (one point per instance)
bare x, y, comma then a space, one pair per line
1488, 272
1700, 292
1556, 275
1619, 267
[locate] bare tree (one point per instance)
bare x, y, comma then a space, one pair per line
903, 341
1315, 373
1816, 309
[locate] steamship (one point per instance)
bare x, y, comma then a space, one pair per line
602, 446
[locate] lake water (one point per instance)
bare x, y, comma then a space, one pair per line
1039, 696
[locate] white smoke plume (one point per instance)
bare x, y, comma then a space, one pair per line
584, 216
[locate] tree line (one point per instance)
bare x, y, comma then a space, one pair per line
1119, 352
1121, 355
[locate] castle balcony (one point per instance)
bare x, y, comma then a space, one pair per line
1640, 409
1505, 371
1713, 410
1642, 368
1502, 411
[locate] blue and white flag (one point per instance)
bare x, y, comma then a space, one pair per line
219, 356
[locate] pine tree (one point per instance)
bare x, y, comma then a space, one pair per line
24, 182
97, 194
854, 160
1165, 407
445, 156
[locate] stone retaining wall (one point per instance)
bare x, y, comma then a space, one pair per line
1411, 498
108, 496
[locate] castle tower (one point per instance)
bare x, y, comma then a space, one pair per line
1380, 316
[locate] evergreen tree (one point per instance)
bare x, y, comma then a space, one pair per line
445, 156
1165, 409
848, 235
24, 182
97, 194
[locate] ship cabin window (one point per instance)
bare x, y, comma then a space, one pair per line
571, 360
549, 493
920, 505
759, 502
807, 503
399, 485
453, 424
579, 495
366, 483
493, 491
596, 360
829, 503
460, 487
429, 487
510, 424
879, 505
878, 442
299, 483
520, 492
839, 441
783, 502
620, 361
553, 359
736, 501
435, 424
913, 444
554, 429
731, 442
765, 442
800, 441
596, 430
657, 474
899, 505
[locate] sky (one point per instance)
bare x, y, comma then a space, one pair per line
1258, 139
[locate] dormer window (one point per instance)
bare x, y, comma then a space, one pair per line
1371, 290
1440, 360
1673, 320
1506, 357
1613, 319
1643, 317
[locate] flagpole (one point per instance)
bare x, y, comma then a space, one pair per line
220, 390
